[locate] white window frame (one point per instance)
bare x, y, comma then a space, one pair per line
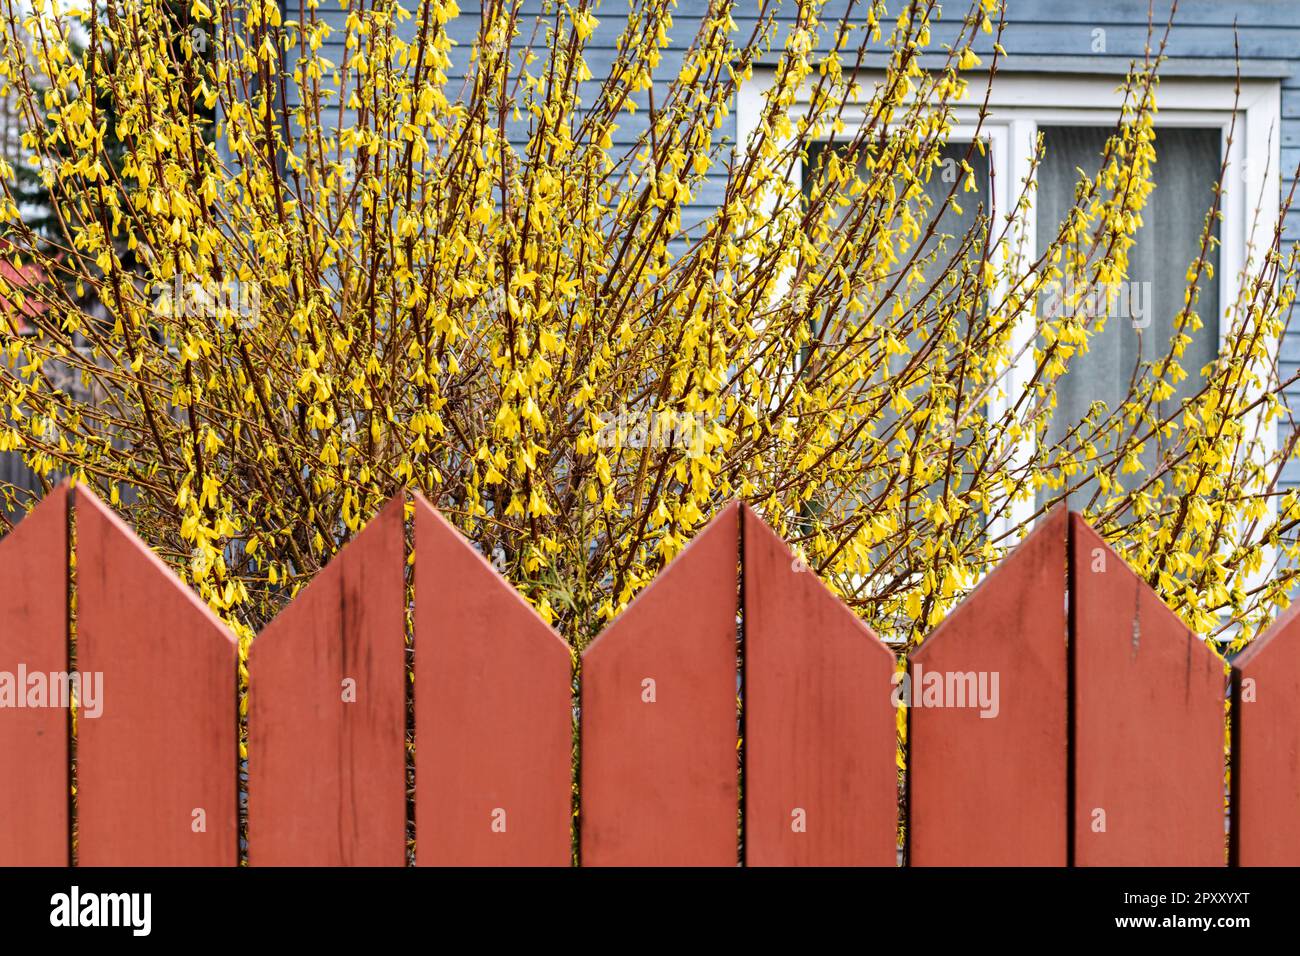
1020, 103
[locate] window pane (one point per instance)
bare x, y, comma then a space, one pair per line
1140, 317
935, 255
951, 226
924, 311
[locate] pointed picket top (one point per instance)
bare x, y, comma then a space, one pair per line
34, 640
155, 776
327, 712
821, 780
1148, 721
988, 777
493, 713
659, 718
1266, 747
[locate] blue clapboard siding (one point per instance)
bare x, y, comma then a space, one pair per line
1041, 36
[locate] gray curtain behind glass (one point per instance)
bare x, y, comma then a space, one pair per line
1186, 168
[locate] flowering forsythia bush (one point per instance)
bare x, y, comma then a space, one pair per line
278, 287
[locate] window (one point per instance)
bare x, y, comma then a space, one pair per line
1074, 115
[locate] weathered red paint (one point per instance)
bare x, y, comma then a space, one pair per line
327, 713
658, 779
156, 771
1266, 747
821, 781
34, 637
992, 791
493, 713
1148, 714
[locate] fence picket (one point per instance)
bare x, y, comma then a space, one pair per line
991, 791
1148, 721
493, 713
156, 770
821, 782
659, 727
1266, 747
34, 638
327, 712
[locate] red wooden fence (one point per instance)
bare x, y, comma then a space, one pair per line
735, 712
